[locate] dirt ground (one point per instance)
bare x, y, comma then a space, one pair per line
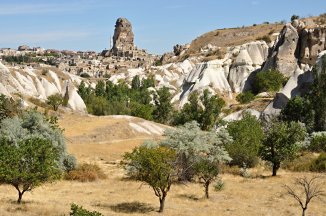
118, 196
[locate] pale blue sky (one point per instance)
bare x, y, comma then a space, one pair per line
157, 24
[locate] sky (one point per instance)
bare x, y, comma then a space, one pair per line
157, 24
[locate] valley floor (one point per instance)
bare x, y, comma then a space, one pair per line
118, 196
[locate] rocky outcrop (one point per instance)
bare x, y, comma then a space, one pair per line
249, 58
75, 102
123, 38
282, 56
296, 85
29, 82
311, 43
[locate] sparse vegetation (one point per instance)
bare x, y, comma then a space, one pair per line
268, 81
76, 210
265, 38
245, 97
319, 164
311, 189
85, 173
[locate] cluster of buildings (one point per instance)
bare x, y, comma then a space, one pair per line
122, 55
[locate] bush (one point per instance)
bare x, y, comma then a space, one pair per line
219, 185
245, 97
69, 163
268, 81
318, 142
86, 173
319, 164
76, 210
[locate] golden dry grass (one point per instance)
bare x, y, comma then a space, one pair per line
117, 196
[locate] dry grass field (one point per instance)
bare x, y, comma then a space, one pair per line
118, 196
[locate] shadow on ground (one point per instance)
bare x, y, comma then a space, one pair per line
189, 196
132, 207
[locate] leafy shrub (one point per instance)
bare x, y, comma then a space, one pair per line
76, 210
86, 173
269, 81
319, 164
245, 97
219, 185
69, 163
318, 142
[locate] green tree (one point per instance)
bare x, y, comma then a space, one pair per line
268, 81
212, 107
55, 101
149, 82
207, 163
317, 96
192, 144
141, 110
299, 109
154, 166
82, 90
191, 111
282, 143
163, 107
247, 135
30, 124
100, 89
136, 83
28, 164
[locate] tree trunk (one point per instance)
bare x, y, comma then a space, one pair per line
304, 211
206, 189
275, 168
20, 196
162, 201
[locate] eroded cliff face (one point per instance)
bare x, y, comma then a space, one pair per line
30, 82
311, 43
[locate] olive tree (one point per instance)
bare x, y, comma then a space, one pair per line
282, 142
32, 123
55, 101
199, 153
153, 165
28, 163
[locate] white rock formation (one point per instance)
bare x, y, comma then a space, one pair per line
75, 102
239, 115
